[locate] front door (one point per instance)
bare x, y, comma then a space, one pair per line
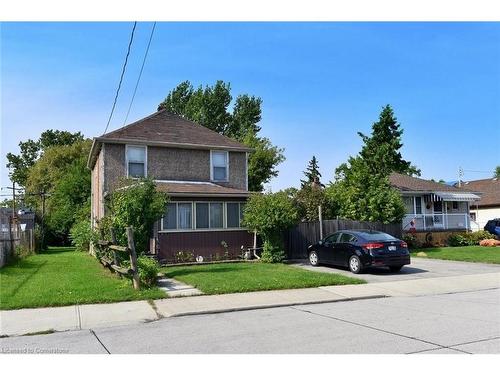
437, 218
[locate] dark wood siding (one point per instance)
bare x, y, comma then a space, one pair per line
207, 243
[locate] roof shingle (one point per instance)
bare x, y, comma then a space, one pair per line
198, 189
408, 183
165, 127
490, 188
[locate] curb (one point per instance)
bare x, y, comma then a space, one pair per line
262, 307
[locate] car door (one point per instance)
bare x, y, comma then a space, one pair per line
329, 248
345, 248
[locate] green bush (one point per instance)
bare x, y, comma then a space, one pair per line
82, 235
270, 214
272, 253
412, 241
469, 238
457, 240
148, 270
476, 237
139, 205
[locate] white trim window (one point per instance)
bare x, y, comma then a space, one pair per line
234, 214
202, 216
136, 157
219, 166
178, 216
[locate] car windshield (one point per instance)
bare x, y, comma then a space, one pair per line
378, 236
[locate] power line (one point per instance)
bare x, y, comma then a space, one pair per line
121, 77
140, 72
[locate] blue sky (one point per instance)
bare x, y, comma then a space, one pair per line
320, 84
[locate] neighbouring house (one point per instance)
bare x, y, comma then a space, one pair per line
433, 206
488, 207
204, 173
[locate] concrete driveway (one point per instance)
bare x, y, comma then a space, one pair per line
418, 269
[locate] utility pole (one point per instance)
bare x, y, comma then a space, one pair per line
460, 175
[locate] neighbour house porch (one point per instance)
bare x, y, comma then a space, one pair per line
438, 211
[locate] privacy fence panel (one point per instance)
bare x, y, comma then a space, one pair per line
298, 238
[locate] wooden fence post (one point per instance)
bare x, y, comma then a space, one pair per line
133, 257
113, 241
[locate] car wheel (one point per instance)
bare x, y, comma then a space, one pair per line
395, 268
355, 264
313, 258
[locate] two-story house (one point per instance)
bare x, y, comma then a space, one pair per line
205, 175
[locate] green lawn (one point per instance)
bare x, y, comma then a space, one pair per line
62, 276
246, 277
479, 254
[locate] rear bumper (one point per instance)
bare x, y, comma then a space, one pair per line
388, 261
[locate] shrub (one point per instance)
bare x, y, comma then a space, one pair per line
272, 253
270, 214
457, 240
476, 237
412, 241
82, 235
148, 269
469, 238
139, 205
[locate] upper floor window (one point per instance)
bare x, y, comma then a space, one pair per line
136, 161
219, 169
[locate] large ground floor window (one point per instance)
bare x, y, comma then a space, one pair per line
202, 215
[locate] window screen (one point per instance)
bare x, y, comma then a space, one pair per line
201, 215
184, 212
233, 215
219, 165
136, 157
216, 218
170, 218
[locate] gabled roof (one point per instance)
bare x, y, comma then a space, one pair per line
490, 188
166, 129
408, 183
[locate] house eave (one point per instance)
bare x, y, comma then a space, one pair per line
172, 144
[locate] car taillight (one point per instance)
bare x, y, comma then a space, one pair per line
372, 245
403, 244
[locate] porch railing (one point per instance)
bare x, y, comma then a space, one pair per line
437, 221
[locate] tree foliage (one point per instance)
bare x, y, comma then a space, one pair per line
381, 150
269, 214
361, 189
209, 106
496, 174
137, 204
60, 172
30, 150
311, 173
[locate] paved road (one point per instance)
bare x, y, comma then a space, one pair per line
450, 323
418, 269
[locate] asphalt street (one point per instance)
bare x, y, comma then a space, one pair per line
457, 323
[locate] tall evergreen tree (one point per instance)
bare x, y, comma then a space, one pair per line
362, 190
496, 173
312, 173
382, 149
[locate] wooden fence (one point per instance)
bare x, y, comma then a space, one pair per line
298, 238
107, 255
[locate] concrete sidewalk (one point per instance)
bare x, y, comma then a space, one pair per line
19, 322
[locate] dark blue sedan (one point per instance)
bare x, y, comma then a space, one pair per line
359, 249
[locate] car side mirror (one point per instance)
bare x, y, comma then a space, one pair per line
320, 243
